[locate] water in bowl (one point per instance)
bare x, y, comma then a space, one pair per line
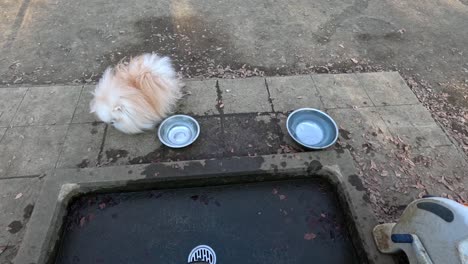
179, 134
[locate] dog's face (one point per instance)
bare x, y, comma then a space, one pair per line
105, 111
114, 114
110, 107
135, 96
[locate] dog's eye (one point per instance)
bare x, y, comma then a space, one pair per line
112, 121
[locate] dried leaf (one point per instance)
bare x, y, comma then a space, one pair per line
384, 173
282, 197
354, 60
372, 165
19, 195
418, 186
309, 236
82, 221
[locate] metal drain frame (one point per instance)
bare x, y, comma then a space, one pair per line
44, 228
203, 251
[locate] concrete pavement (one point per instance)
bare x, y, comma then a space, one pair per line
399, 151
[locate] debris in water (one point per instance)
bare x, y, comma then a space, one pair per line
309, 236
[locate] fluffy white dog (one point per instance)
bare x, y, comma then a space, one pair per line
136, 95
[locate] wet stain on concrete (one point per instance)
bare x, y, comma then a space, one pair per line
83, 164
14, 227
114, 154
28, 210
366, 198
313, 167
192, 42
340, 146
355, 181
345, 134
250, 135
274, 167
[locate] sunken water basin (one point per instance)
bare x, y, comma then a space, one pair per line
271, 222
299, 208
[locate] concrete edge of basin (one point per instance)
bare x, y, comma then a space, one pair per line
43, 230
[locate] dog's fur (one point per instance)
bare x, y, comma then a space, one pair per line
135, 96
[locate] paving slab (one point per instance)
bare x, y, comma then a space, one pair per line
18, 197
360, 126
82, 145
414, 124
341, 91
251, 135
30, 150
120, 148
9, 103
200, 98
387, 88
82, 114
289, 93
244, 95
47, 106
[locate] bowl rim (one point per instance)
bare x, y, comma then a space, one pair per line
178, 146
313, 110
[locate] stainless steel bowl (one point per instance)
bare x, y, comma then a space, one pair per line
178, 131
312, 128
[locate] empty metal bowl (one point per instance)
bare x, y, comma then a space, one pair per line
178, 131
312, 128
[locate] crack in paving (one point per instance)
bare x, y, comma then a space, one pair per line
220, 108
270, 100
101, 148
